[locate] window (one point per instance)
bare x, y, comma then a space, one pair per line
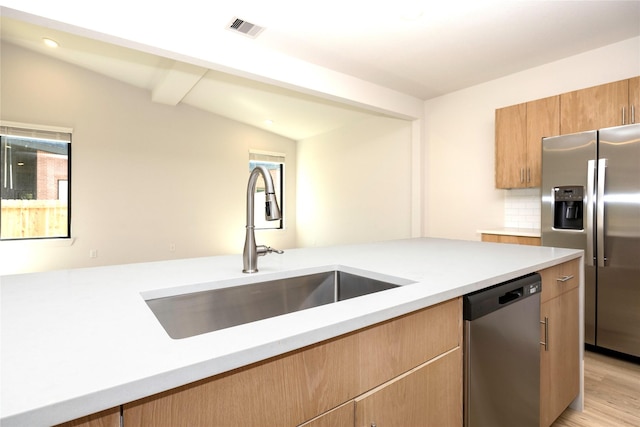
35, 172
275, 164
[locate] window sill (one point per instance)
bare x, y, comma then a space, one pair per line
47, 243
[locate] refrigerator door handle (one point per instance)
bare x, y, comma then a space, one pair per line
602, 167
591, 176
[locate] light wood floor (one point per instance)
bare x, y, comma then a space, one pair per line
611, 394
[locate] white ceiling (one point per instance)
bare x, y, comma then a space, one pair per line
450, 45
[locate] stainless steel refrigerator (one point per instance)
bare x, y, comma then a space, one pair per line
591, 200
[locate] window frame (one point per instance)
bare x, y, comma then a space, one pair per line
270, 158
46, 133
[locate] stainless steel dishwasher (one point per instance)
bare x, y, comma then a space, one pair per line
502, 354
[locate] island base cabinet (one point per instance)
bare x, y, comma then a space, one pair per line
108, 418
342, 416
318, 384
430, 395
560, 350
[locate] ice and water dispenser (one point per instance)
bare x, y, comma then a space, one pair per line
568, 207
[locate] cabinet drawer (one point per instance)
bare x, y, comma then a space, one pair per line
430, 395
108, 418
559, 279
342, 416
394, 347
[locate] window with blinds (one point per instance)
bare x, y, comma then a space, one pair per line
274, 162
35, 175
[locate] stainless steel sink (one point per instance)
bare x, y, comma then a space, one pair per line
196, 313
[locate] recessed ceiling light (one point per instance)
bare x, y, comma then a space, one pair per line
50, 42
268, 122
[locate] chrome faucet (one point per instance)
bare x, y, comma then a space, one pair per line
271, 213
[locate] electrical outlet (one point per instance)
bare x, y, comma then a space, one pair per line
172, 247
93, 253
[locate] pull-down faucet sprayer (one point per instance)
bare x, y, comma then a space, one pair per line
271, 213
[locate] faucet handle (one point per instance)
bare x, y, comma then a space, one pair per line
263, 250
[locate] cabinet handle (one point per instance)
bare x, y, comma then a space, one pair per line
521, 175
633, 114
373, 425
545, 343
624, 116
564, 278
528, 174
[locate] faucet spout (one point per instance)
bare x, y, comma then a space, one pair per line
272, 213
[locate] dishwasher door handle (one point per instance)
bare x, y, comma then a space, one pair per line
510, 296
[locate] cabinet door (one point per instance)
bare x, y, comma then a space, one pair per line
429, 395
634, 100
511, 146
594, 108
560, 360
342, 416
543, 119
108, 418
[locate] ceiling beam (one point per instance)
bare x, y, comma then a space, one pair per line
176, 83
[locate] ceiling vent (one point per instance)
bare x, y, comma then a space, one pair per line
243, 27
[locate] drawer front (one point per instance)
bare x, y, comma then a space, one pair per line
559, 279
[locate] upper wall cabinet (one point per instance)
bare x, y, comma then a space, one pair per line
520, 128
634, 100
595, 107
519, 132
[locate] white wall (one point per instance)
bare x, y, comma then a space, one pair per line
354, 184
459, 193
144, 175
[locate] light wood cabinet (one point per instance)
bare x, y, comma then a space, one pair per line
342, 416
306, 385
560, 354
108, 418
595, 107
429, 395
634, 100
511, 146
543, 119
519, 130
518, 240
559, 279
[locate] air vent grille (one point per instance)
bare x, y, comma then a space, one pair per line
243, 27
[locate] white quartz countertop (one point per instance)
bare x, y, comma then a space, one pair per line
75, 342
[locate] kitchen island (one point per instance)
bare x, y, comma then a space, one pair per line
76, 342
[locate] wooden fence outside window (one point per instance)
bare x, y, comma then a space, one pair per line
33, 218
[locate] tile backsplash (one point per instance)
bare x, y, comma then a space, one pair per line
522, 208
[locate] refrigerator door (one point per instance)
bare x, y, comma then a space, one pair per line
568, 161
618, 244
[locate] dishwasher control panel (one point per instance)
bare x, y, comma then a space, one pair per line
485, 301
533, 288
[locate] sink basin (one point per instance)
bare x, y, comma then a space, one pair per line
196, 313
